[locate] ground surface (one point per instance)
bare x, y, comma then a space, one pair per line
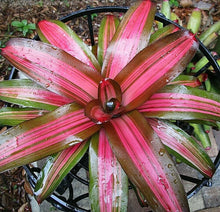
12, 193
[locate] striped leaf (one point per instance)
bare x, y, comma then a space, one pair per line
132, 35
26, 93
155, 66
13, 116
54, 69
187, 80
163, 32
60, 35
183, 103
43, 136
108, 186
107, 29
183, 146
146, 162
56, 168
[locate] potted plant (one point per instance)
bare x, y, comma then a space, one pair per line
119, 103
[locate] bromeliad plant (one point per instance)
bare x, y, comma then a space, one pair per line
117, 104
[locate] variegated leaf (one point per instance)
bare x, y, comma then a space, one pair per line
183, 103
107, 30
26, 93
132, 35
56, 168
43, 136
163, 32
155, 66
108, 182
14, 116
54, 69
146, 162
60, 35
184, 146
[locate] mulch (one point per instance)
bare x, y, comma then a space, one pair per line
12, 193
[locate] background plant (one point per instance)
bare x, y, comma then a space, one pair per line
24, 27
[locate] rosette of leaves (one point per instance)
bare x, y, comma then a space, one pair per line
118, 104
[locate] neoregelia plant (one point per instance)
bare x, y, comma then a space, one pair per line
118, 104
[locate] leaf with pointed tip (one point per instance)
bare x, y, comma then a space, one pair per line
180, 102
54, 69
60, 35
26, 93
56, 168
132, 35
187, 80
183, 146
155, 66
43, 136
13, 116
146, 162
163, 32
108, 186
107, 29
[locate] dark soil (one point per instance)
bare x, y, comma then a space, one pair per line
12, 193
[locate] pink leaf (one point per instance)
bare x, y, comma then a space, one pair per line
184, 145
29, 94
132, 36
145, 161
95, 112
186, 80
43, 136
14, 116
109, 185
183, 103
59, 34
154, 67
56, 168
54, 69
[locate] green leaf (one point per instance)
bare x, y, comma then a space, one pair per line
163, 32
25, 30
17, 24
56, 168
31, 26
13, 116
108, 186
24, 22
43, 136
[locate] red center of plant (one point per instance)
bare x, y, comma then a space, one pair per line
108, 104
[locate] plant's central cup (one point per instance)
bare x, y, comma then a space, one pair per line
108, 105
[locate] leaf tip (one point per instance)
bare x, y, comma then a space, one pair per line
192, 36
